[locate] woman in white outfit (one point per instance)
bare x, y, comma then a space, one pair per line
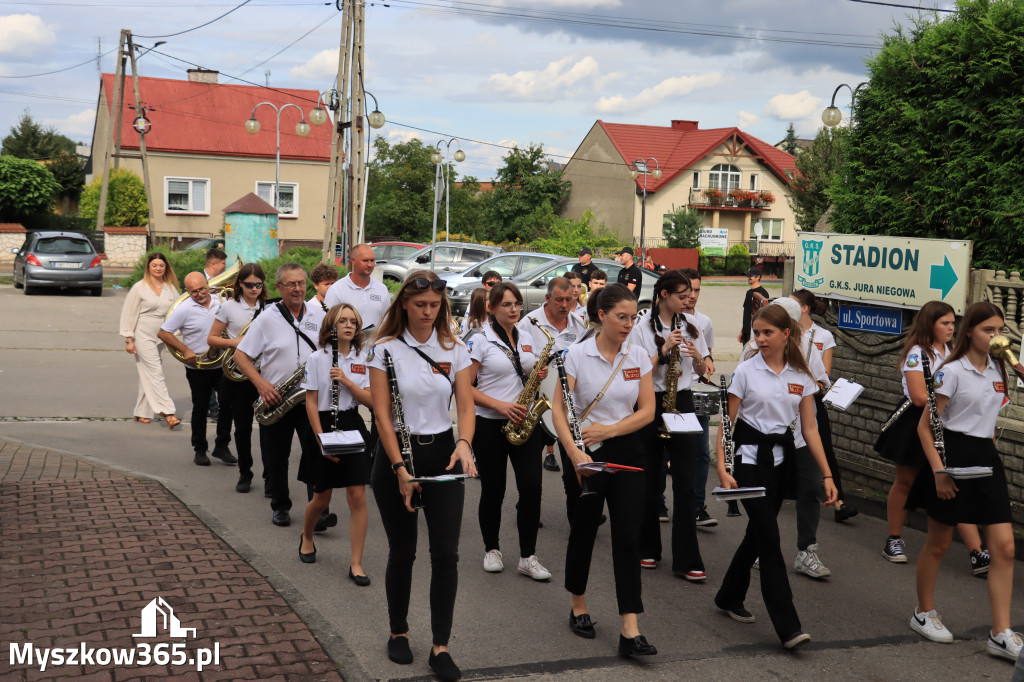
144, 309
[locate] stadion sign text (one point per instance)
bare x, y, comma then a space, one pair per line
897, 271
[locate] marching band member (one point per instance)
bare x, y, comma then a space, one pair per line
194, 318
767, 393
502, 360
576, 282
703, 323
323, 277
333, 396
366, 294
283, 335
664, 330
476, 314
249, 296
970, 389
607, 377
416, 333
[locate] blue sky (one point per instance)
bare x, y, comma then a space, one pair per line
500, 71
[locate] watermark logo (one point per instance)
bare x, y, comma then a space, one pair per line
811, 264
159, 612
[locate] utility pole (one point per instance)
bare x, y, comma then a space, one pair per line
334, 223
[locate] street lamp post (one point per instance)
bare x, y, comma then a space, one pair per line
252, 126
833, 114
437, 158
643, 167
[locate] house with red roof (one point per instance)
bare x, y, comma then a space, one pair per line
201, 158
737, 182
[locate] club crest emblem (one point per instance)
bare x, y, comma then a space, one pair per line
938, 380
913, 360
810, 264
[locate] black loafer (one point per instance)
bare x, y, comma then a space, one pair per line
581, 625
201, 459
243, 485
443, 665
550, 463
846, 512
326, 520
223, 454
361, 580
282, 518
399, 651
637, 646
306, 558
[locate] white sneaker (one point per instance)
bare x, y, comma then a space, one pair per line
492, 562
1007, 644
531, 566
808, 563
929, 626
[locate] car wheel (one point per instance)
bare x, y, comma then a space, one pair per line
16, 284
642, 306
98, 291
28, 290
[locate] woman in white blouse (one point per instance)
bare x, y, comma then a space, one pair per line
144, 310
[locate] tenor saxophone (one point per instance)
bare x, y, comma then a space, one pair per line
672, 374
517, 434
291, 395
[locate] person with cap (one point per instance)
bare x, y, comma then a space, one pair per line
585, 267
756, 297
630, 274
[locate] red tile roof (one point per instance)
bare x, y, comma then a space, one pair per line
678, 149
209, 118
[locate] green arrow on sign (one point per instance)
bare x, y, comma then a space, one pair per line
943, 277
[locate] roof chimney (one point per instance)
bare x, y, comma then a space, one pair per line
202, 76
684, 126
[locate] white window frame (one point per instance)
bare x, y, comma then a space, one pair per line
295, 196
768, 224
192, 208
696, 179
755, 182
725, 177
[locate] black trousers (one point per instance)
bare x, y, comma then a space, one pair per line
825, 431
239, 398
442, 508
202, 383
808, 498
761, 540
493, 452
276, 445
624, 492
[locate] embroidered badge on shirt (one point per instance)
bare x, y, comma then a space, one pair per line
375, 297
359, 369
370, 353
819, 345
527, 349
999, 386
631, 374
446, 366
938, 380
796, 389
469, 345
913, 360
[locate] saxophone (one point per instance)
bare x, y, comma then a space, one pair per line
672, 373
517, 434
291, 395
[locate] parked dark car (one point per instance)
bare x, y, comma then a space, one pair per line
62, 260
206, 244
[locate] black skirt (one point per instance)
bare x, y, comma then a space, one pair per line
353, 469
900, 443
978, 500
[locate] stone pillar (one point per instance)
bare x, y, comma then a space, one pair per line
124, 246
12, 236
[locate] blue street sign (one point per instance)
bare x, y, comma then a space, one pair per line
869, 318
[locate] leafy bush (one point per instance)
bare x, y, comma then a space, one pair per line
26, 188
738, 260
567, 237
306, 257
703, 262
126, 200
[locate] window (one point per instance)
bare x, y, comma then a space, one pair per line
771, 229
399, 252
287, 197
187, 195
63, 246
696, 179
724, 176
475, 255
531, 262
445, 254
753, 181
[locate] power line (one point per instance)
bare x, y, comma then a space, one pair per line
291, 44
893, 4
196, 28
90, 60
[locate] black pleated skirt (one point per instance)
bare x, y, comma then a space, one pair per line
353, 469
900, 443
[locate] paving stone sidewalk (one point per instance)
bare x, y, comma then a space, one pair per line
84, 548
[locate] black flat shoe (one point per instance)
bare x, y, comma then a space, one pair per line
360, 580
637, 646
307, 558
399, 651
581, 625
326, 520
281, 518
243, 485
443, 665
846, 512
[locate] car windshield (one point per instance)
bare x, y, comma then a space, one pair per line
63, 245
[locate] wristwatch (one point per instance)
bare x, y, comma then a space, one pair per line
398, 465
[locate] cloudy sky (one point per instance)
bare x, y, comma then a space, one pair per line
497, 71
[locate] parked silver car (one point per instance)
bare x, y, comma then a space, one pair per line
450, 257
57, 260
508, 265
534, 284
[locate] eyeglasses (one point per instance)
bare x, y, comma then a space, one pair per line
252, 285
422, 284
491, 283
200, 290
622, 318
301, 284
509, 305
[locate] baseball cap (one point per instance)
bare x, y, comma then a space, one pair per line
791, 306
625, 249
753, 272
585, 251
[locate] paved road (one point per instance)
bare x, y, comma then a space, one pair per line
69, 386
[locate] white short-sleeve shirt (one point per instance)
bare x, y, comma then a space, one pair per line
823, 338
770, 402
644, 336
975, 398
585, 363
426, 393
913, 364
274, 337
371, 301
496, 376
703, 323
318, 377
237, 314
194, 322
573, 332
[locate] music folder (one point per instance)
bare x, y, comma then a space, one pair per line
843, 394
729, 494
442, 478
605, 466
676, 422
963, 473
339, 443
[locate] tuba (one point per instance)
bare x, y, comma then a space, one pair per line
221, 287
517, 434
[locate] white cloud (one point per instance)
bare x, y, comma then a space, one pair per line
747, 119
650, 97
77, 126
404, 135
798, 105
553, 82
22, 34
323, 65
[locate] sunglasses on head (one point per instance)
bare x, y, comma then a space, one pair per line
252, 285
422, 284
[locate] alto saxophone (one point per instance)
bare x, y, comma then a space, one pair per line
291, 395
517, 434
672, 373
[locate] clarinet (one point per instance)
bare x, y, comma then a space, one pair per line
401, 429
933, 410
733, 507
574, 423
334, 384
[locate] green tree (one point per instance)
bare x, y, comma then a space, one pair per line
526, 197
29, 140
789, 143
937, 148
817, 168
26, 188
566, 236
126, 200
738, 259
681, 228
69, 171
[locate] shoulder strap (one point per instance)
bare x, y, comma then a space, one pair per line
431, 362
291, 322
608, 383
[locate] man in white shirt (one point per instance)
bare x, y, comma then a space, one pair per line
370, 297
703, 323
193, 318
216, 263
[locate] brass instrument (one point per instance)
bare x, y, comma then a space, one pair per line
231, 370
583, 295
401, 428
291, 395
999, 347
517, 434
933, 410
728, 446
672, 373
219, 286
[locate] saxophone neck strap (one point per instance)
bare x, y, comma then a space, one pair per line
294, 325
608, 383
510, 349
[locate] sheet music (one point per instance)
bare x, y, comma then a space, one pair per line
738, 493
341, 442
605, 466
843, 394
682, 422
967, 472
439, 479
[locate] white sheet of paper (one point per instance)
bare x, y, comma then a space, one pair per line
439, 479
843, 394
341, 438
682, 422
968, 472
738, 493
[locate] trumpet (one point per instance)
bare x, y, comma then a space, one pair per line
219, 286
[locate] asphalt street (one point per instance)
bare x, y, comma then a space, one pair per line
68, 385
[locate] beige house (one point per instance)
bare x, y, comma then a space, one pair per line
201, 158
737, 182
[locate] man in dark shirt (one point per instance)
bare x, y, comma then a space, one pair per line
585, 268
755, 298
630, 274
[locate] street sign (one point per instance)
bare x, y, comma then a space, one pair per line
714, 241
896, 271
869, 318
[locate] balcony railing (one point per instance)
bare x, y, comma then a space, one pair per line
726, 199
766, 248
